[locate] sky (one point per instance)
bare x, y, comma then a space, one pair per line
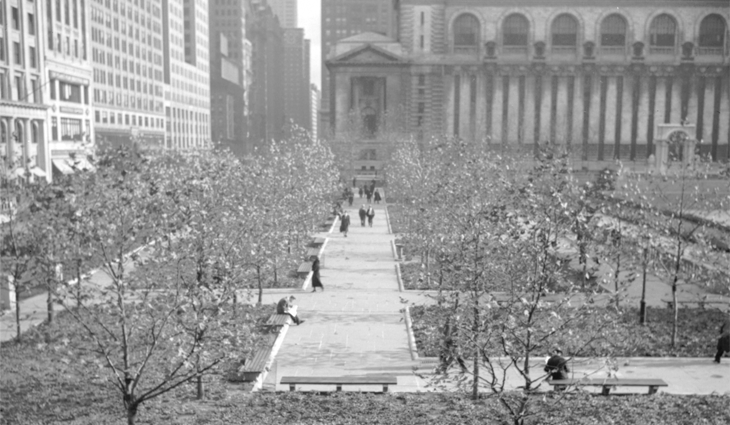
309, 18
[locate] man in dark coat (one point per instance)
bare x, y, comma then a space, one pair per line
283, 308
557, 366
723, 343
362, 213
377, 197
344, 223
370, 214
350, 197
316, 282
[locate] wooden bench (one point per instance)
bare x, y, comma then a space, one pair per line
276, 321
304, 269
339, 381
317, 242
702, 302
312, 252
607, 383
256, 365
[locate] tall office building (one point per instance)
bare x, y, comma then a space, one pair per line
343, 18
313, 108
230, 72
70, 73
186, 76
296, 72
23, 114
286, 11
128, 66
267, 86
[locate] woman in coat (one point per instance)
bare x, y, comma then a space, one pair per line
316, 282
344, 223
377, 196
723, 343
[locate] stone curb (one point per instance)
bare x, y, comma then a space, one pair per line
411, 337
393, 250
387, 220
397, 275
259, 383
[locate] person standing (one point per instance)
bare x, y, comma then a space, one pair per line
354, 182
723, 343
370, 214
362, 213
344, 223
377, 196
350, 197
283, 308
316, 281
369, 194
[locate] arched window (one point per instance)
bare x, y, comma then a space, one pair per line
515, 30
712, 35
466, 34
613, 31
565, 34
663, 35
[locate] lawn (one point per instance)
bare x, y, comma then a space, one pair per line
697, 335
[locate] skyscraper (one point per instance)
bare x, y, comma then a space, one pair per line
186, 76
296, 73
128, 66
286, 11
343, 18
230, 72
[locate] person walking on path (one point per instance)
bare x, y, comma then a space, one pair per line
377, 196
283, 308
350, 197
370, 214
316, 282
359, 192
723, 343
369, 194
362, 213
354, 182
344, 223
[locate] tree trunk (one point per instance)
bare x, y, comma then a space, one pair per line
475, 383
675, 279
17, 311
200, 387
131, 414
49, 302
276, 279
615, 277
261, 288
78, 282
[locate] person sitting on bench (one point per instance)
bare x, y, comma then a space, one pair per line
283, 308
557, 366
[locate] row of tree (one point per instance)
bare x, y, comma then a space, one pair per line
205, 230
494, 226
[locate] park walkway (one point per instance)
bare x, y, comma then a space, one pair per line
356, 326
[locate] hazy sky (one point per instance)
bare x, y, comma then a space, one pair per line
309, 17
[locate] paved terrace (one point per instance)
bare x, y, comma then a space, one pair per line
357, 327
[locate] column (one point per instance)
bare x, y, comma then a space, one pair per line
497, 110
464, 124
610, 125
528, 130
561, 111
513, 109
643, 119
676, 109
724, 124
594, 117
545, 115
577, 142
660, 101
625, 115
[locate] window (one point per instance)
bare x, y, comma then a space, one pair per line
466, 34
32, 57
15, 17
67, 13
662, 35
565, 33
2, 49
70, 129
70, 92
19, 89
37, 98
76, 12
613, 31
18, 53
712, 35
515, 30
3, 90
54, 127
31, 24
58, 10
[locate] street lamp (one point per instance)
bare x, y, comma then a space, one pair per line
642, 307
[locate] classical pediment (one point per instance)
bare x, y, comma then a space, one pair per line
368, 54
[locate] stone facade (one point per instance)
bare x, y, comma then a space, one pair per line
595, 77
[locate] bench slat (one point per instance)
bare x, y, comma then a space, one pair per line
258, 361
277, 320
612, 382
339, 381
